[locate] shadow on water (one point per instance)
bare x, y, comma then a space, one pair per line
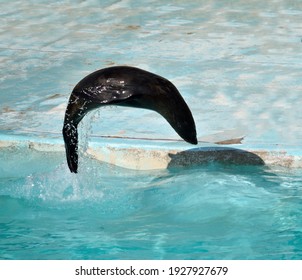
219, 161
221, 155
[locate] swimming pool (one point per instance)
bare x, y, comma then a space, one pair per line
211, 211
153, 199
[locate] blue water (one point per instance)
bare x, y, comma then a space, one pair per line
231, 60
106, 212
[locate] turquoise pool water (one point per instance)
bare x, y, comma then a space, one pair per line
106, 212
237, 64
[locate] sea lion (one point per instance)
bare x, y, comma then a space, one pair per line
125, 86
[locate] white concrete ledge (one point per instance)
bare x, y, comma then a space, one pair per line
133, 155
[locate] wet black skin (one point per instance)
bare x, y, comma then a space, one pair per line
125, 86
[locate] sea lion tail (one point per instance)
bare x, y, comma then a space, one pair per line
70, 134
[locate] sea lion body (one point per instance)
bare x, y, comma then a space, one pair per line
125, 86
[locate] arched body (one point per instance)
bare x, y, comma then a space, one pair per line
125, 86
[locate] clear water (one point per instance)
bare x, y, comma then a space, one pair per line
106, 212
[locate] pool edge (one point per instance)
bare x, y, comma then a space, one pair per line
149, 155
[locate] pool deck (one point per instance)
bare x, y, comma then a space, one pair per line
237, 64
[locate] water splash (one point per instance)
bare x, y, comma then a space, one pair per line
109, 190
85, 130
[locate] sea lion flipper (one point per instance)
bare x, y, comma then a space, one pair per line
70, 134
80, 103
